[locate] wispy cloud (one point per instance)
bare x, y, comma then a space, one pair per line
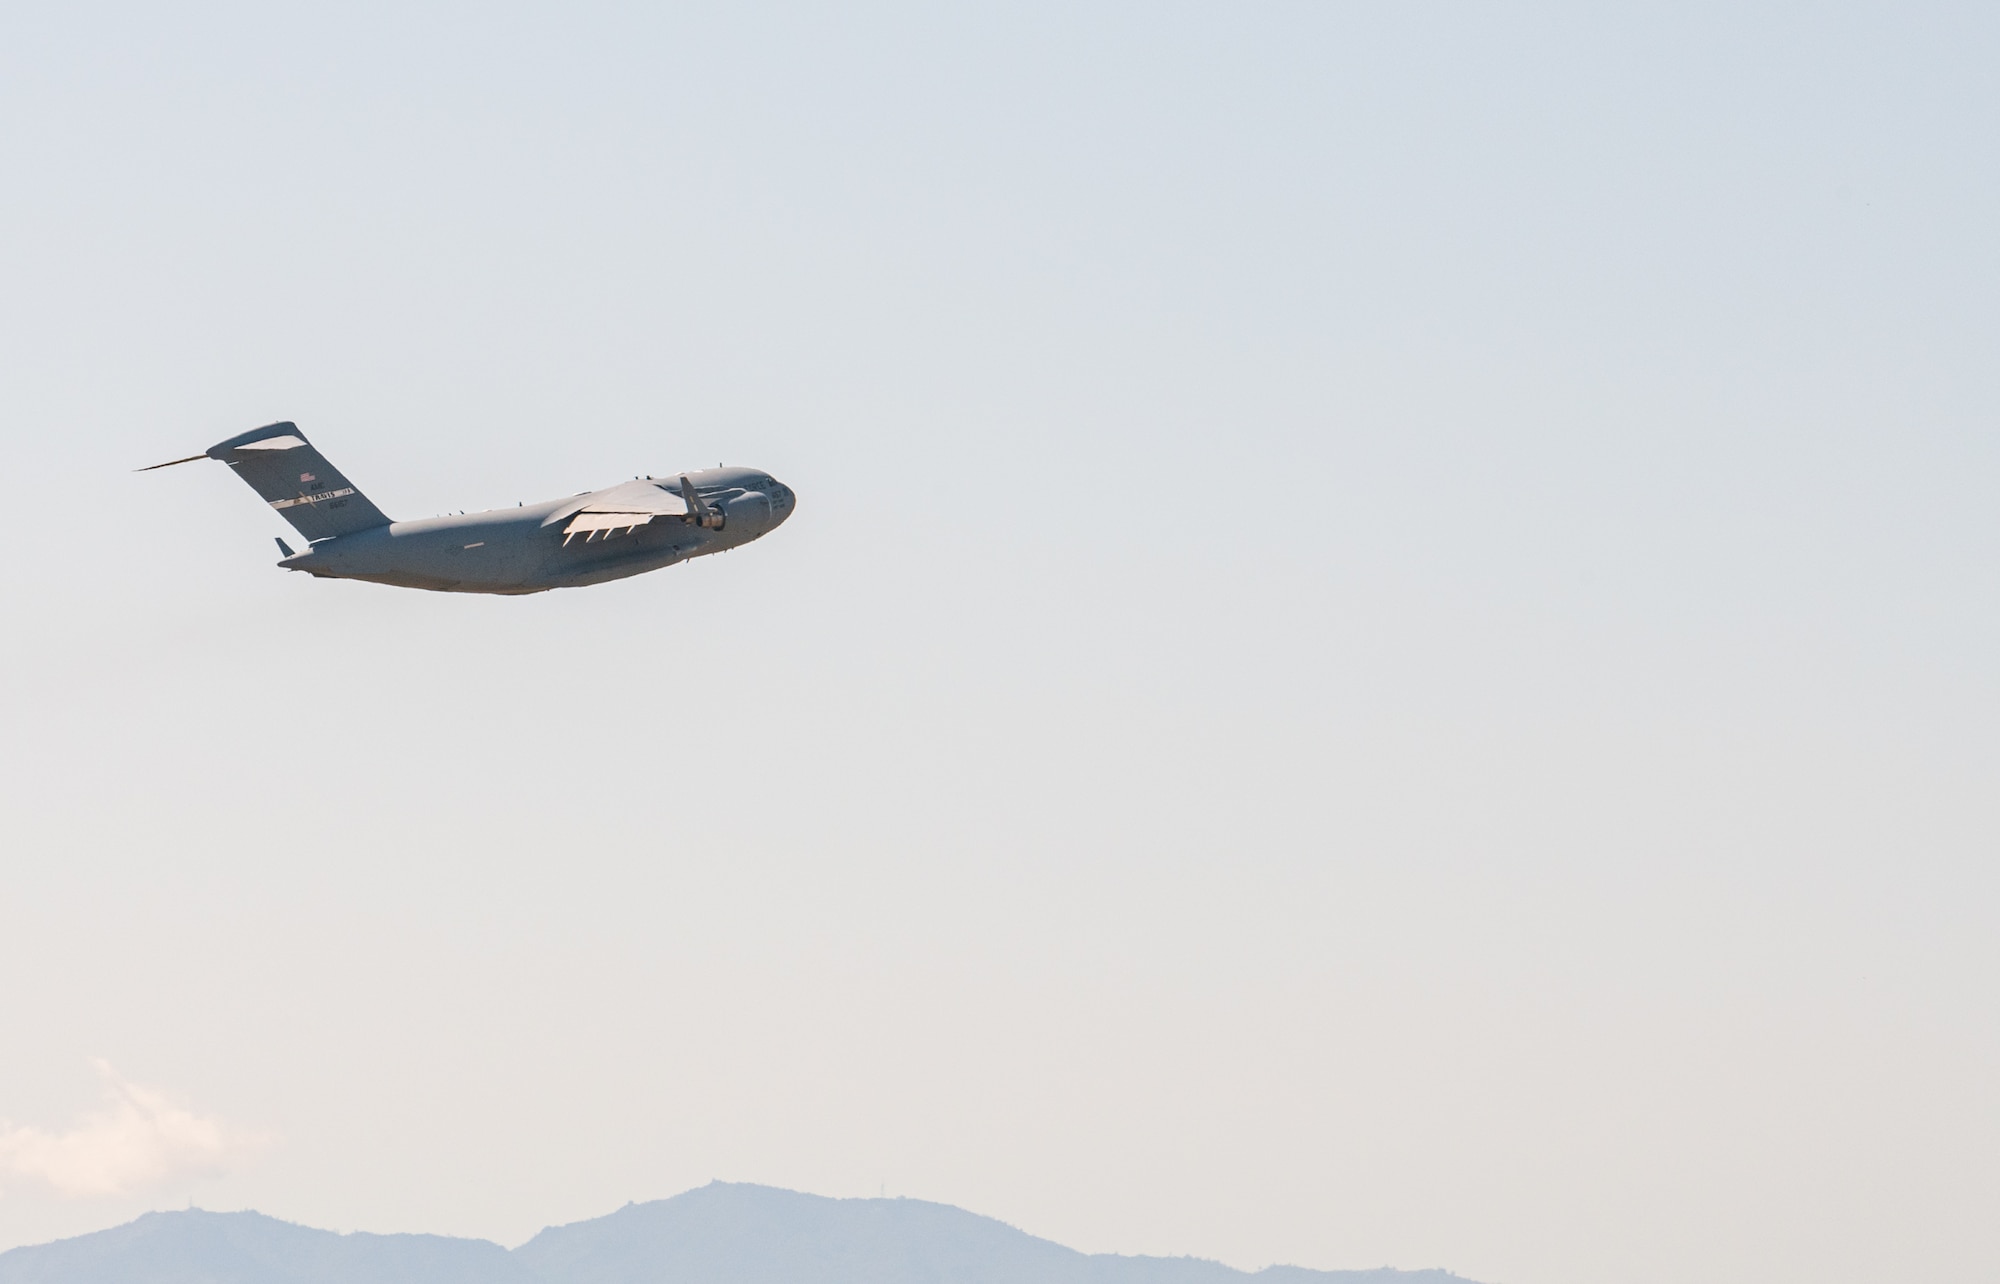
136, 1139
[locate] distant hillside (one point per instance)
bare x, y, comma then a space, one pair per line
250, 1248
719, 1234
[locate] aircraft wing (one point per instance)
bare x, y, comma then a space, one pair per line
622, 509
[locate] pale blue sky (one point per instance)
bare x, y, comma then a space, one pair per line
1387, 654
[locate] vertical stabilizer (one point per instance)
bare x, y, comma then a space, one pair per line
294, 478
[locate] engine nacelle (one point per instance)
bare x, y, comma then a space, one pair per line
751, 509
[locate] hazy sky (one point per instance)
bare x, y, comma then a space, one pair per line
1387, 655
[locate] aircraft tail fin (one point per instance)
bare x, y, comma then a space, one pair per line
294, 478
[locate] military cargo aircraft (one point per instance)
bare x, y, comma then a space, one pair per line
599, 535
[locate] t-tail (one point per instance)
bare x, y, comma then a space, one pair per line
294, 478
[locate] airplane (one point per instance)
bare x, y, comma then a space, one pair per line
589, 538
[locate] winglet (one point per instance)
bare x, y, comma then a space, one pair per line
284, 548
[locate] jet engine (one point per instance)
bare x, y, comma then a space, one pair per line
751, 508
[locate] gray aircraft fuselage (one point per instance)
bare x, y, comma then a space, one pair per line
523, 550
588, 538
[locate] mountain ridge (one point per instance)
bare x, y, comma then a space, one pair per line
721, 1233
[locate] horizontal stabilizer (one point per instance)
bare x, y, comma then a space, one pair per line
170, 463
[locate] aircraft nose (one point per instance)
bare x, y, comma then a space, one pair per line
782, 501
